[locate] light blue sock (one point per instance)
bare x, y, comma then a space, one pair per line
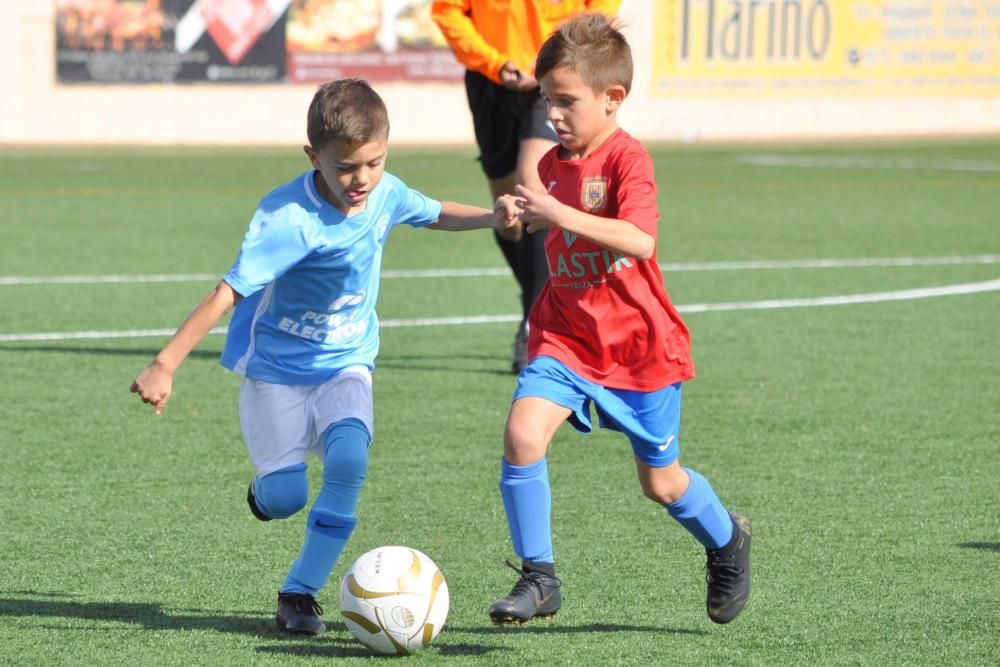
700, 511
332, 517
527, 498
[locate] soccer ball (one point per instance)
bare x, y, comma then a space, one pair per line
394, 599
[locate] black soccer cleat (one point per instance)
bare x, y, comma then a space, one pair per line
535, 595
298, 614
727, 572
252, 502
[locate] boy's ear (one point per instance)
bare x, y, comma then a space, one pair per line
616, 95
312, 155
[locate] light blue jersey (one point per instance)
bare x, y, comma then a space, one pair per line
309, 276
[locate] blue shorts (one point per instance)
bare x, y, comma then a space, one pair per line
650, 419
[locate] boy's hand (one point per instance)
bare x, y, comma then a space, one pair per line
505, 218
513, 78
154, 386
537, 210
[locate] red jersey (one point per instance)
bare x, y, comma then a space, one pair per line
607, 316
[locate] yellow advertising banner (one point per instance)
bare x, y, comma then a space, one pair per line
826, 47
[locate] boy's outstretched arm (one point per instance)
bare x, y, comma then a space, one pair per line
155, 383
541, 211
457, 217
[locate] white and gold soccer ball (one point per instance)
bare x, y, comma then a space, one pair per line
394, 600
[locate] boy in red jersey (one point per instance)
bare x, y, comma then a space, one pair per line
603, 330
497, 43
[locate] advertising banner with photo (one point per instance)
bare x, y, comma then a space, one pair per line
827, 47
160, 41
376, 39
249, 41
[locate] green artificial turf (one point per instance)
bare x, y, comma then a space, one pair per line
861, 440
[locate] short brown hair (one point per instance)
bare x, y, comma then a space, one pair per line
346, 109
592, 46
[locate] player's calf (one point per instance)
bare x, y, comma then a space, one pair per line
535, 595
727, 572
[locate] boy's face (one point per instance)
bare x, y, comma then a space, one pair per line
349, 172
582, 118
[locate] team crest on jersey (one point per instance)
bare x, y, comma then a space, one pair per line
594, 193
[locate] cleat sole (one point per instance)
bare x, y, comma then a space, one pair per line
511, 620
507, 620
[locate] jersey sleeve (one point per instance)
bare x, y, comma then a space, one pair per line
636, 192
470, 48
416, 209
545, 165
272, 245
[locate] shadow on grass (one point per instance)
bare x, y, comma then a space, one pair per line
984, 546
116, 351
587, 628
148, 615
51, 604
342, 648
348, 648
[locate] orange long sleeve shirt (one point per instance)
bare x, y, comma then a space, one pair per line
485, 34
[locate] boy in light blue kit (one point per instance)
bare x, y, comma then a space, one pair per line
305, 334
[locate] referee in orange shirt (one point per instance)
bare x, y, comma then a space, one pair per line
497, 43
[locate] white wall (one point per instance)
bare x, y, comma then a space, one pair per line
34, 108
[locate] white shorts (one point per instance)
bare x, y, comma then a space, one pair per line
281, 423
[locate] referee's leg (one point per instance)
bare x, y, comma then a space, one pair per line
532, 269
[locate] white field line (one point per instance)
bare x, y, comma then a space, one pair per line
769, 304
858, 162
847, 299
748, 265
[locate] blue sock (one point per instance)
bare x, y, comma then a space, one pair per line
700, 511
332, 517
527, 498
282, 493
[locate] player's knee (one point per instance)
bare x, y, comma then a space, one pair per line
284, 492
661, 495
523, 442
666, 486
346, 460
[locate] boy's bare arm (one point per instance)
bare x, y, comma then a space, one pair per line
457, 217
541, 211
155, 383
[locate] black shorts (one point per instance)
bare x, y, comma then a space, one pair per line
502, 118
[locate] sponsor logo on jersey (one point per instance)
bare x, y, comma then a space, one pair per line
351, 299
381, 226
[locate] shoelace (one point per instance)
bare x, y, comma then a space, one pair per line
532, 579
303, 603
722, 571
